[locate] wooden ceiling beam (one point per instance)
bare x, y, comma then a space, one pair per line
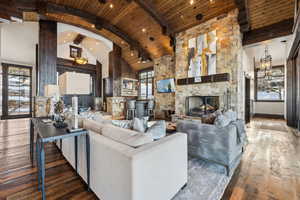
279, 29
146, 6
46, 7
78, 39
243, 17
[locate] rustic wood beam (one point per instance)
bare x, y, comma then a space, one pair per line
47, 7
79, 38
279, 29
243, 17
146, 6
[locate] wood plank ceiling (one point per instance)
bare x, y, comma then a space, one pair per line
132, 18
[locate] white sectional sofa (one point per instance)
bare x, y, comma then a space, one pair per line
153, 171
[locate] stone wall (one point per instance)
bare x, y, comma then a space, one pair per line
229, 60
164, 68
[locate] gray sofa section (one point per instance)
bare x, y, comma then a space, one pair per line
222, 145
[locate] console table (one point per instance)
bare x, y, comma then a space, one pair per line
46, 132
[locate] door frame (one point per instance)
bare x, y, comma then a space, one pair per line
247, 101
5, 115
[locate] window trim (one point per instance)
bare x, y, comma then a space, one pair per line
256, 85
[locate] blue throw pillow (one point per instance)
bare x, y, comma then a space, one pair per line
139, 125
157, 130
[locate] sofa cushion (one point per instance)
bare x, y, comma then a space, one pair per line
157, 130
126, 136
93, 125
139, 124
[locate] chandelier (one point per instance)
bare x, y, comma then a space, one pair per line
266, 64
81, 60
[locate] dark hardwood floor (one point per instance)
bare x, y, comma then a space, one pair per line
270, 168
18, 179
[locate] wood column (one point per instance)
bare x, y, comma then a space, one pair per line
47, 69
113, 82
98, 81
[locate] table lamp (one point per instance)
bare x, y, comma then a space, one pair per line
72, 83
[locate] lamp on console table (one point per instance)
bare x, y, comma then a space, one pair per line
72, 83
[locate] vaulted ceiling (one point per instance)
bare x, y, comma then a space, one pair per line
146, 28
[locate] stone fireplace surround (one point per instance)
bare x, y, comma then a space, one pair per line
229, 60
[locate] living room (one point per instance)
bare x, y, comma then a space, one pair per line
138, 100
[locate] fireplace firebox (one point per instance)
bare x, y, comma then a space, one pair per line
199, 106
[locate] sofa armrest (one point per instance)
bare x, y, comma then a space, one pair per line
159, 169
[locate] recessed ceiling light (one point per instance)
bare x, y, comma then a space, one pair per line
132, 54
69, 34
93, 25
111, 5
181, 16
144, 30
91, 48
122, 42
192, 2
65, 41
212, 1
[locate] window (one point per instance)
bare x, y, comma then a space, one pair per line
146, 84
270, 90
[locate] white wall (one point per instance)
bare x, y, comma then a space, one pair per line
18, 42
278, 51
95, 47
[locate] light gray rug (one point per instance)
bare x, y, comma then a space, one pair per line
206, 181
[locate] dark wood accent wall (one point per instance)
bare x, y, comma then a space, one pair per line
112, 85
290, 94
47, 54
98, 82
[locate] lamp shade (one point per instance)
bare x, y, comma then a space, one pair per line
73, 83
51, 90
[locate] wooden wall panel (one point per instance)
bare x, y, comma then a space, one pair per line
47, 54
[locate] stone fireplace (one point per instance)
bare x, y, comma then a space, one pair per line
229, 60
199, 106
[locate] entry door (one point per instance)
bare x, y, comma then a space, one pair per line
247, 100
16, 90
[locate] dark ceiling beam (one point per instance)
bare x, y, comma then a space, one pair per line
146, 6
243, 17
79, 38
279, 29
102, 1
46, 7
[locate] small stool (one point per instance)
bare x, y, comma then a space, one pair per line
131, 110
150, 109
130, 114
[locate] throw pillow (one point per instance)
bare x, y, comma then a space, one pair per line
157, 130
231, 115
208, 119
122, 123
139, 125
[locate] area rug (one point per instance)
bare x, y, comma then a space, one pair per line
206, 181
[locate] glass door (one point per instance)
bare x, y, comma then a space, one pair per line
16, 91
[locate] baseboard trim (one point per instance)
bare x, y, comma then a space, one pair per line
271, 116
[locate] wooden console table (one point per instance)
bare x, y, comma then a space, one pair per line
46, 132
